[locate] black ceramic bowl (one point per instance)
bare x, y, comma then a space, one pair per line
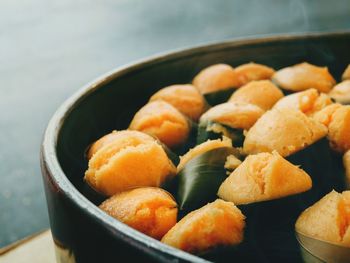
81, 231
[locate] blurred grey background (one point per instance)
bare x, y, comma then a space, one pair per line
49, 49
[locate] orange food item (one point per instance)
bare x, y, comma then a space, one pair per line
304, 76
341, 92
108, 138
262, 177
239, 115
328, 219
284, 130
308, 101
203, 148
149, 210
214, 78
262, 93
160, 119
186, 98
132, 159
253, 71
217, 223
337, 118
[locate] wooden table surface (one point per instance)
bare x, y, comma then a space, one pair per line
49, 49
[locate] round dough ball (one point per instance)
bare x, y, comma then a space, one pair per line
284, 130
149, 210
337, 118
308, 101
238, 115
132, 159
160, 119
115, 135
186, 98
253, 71
214, 78
262, 93
304, 76
217, 223
328, 219
261, 177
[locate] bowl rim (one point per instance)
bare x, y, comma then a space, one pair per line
50, 161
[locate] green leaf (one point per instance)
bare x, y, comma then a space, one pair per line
205, 133
171, 155
218, 97
201, 177
324, 166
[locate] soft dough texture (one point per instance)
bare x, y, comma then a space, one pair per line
217, 223
216, 77
337, 118
262, 93
341, 92
238, 115
115, 135
186, 98
132, 159
309, 101
264, 176
328, 219
149, 210
284, 130
304, 76
252, 71
162, 120
203, 148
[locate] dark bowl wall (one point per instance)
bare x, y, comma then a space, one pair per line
111, 102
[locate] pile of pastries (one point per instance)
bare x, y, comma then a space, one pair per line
264, 119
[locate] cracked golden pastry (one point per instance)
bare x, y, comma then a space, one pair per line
131, 159
264, 176
238, 115
328, 219
149, 210
262, 93
304, 76
215, 78
253, 71
284, 130
163, 121
337, 118
186, 98
218, 223
308, 101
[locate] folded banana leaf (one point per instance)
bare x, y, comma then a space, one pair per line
199, 180
171, 155
218, 97
324, 166
207, 131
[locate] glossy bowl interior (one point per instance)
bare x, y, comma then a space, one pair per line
110, 102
